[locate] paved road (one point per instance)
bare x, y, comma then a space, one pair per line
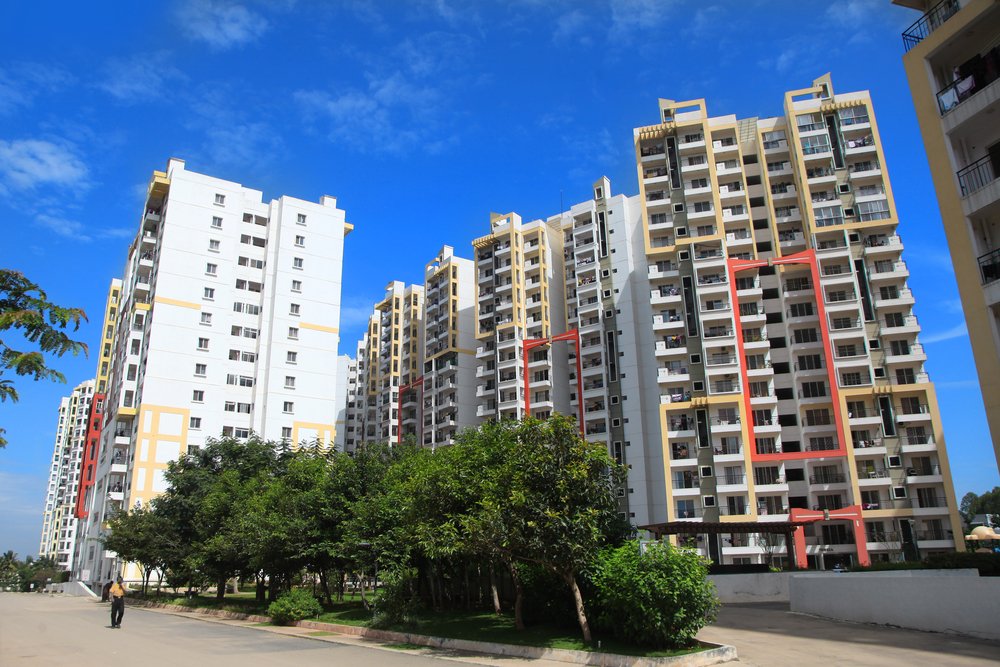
42, 630
768, 635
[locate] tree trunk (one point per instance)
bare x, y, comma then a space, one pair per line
518, 598
220, 590
236, 585
468, 590
361, 588
494, 592
341, 584
581, 614
325, 584
261, 589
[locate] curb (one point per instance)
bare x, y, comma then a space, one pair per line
716, 654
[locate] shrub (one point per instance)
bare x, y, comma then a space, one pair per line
659, 597
397, 600
293, 606
988, 564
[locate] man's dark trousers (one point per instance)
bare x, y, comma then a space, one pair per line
117, 611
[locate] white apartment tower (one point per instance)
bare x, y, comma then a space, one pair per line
59, 522
448, 383
227, 325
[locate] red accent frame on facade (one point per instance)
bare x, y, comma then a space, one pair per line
805, 257
88, 462
399, 406
851, 513
573, 335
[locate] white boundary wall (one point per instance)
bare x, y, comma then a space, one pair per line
753, 587
951, 601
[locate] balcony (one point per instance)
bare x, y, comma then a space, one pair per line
989, 266
964, 87
977, 175
929, 22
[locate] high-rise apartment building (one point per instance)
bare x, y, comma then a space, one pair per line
740, 334
520, 296
448, 383
59, 521
802, 389
953, 65
387, 369
227, 325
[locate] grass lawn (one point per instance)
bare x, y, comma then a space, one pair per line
488, 627
472, 625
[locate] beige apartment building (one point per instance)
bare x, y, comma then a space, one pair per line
952, 62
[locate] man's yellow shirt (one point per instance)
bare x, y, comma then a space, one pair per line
117, 590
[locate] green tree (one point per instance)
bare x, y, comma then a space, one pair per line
987, 503
550, 502
142, 536
26, 310
9, 565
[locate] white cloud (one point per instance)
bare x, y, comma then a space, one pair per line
630, 16
21, 83
26, 164
139, 79
957, 331
571, 28
392, 115
222, 25
77, 231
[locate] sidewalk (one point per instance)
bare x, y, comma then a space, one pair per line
769, 635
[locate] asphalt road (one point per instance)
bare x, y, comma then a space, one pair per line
38, 629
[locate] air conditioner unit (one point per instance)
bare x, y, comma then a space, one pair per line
899, 492
707, 501
844, 188
683, 255
679, 207
682, 231
895, 462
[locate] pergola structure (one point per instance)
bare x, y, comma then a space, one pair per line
795, 538
786, 528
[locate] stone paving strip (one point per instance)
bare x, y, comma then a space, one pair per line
461, 650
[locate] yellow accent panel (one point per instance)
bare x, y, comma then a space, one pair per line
348, 228
127, 411
152, 435
318, 327
325, 433
176, 302
142, 306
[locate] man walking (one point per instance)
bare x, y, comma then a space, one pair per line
117, 603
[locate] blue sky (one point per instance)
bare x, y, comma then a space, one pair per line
421, 118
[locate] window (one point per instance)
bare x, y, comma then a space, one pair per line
202, 343
300, 241
293, 333
206, 319
813, 389
289, 382
286, 431
294, 309
195, 423
810, 362
230, 406
213, 245
301, 219
198, 396
296, 285
200, 370
220, 199
252, 263
292, 357
288, 406
800, 309
297, 262
209, 293
217, 222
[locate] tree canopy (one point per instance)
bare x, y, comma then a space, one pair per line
26, 311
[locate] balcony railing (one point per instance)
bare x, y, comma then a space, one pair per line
965, 87
989, 266
929, 22
976, 176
